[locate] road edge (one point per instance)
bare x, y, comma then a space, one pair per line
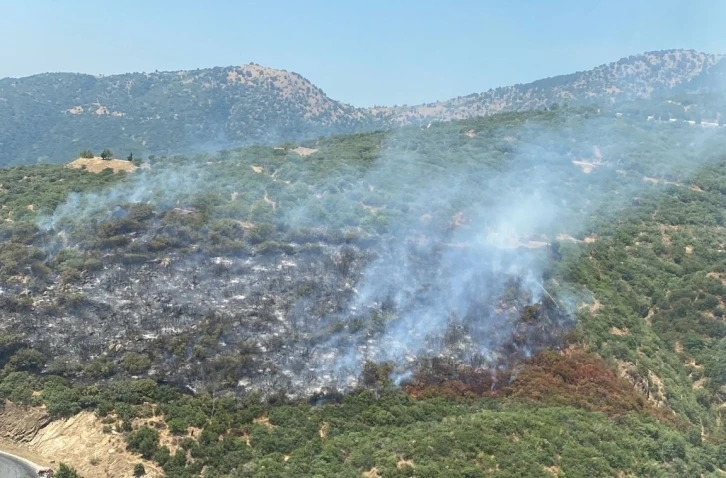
27, 462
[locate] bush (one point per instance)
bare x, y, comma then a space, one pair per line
177, 426
65, 471
139, 470
100, 367
135, 363
259, 233
18, 387
25, 359
61, 400
93, 264
144, 441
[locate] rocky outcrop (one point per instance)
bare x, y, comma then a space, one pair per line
79, 441
22, 425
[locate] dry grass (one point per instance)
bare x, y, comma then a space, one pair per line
166, 438
651, 388
96, 165
593, 308
620, 332
660, 181
78, 441
372, 209
404, 463
373, 473
269, 201
716, 275
568, 238
263, 420
554, 470
700, 383
303, 151
586, 166
649, 317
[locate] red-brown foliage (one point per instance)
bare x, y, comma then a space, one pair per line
572, 377
442, 377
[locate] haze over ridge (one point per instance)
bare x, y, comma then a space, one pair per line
44, 118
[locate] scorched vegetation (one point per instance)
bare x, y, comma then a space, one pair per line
529, 294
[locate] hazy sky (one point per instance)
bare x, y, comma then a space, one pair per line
363, 52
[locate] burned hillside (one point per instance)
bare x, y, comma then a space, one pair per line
263, 269
299, 315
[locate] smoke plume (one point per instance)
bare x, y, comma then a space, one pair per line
464, 239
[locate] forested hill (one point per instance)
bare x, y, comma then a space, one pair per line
51, 117
48, 117
525, 294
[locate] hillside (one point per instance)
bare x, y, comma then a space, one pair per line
48, 117
531, 293
51, 117
647, 75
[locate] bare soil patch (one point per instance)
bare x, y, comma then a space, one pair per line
651, 387
303, 151
324, 430
586, 166
698, 384
593, 308
96, 165
404, 463
264, 420
719, 276
79, 441
373, 473
554, 470
620, 332
270, 201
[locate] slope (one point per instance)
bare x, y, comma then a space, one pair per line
47, 117
240, 313
638, 76
50, 117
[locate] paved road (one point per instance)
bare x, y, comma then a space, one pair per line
11, 467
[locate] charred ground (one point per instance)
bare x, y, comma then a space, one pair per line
263, 270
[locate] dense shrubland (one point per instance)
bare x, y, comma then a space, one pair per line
638, 390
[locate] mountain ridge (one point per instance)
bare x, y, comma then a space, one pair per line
50, 116
565, 88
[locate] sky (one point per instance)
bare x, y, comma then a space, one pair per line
367, 52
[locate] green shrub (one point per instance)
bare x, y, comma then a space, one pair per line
100, 367
25, 360
65, 471
144, 441
135, 363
